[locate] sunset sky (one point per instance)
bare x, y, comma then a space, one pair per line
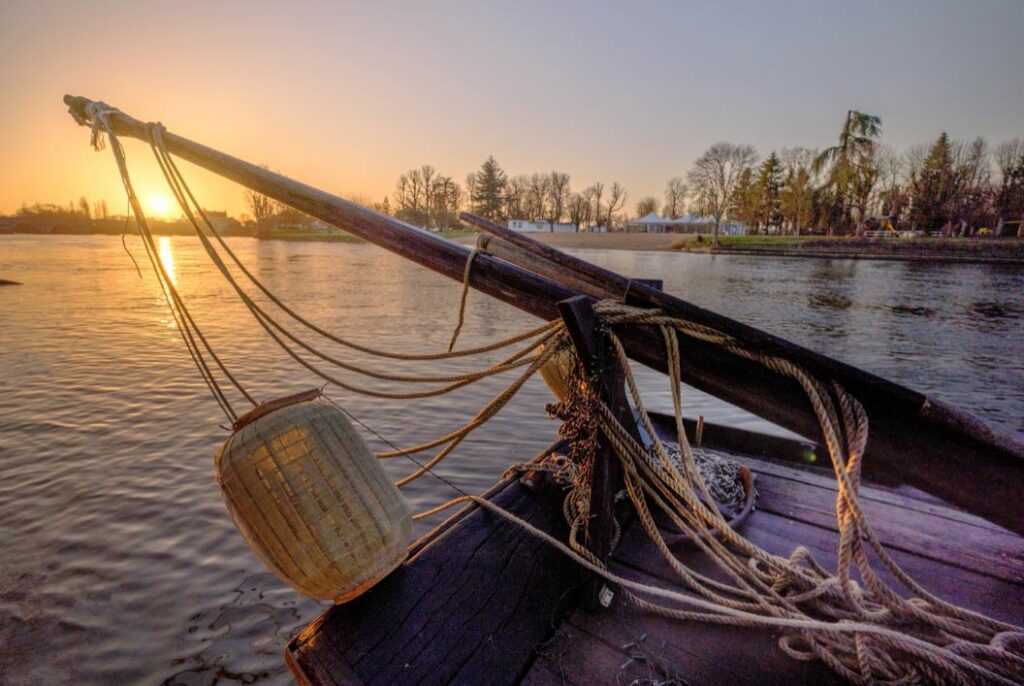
346, 97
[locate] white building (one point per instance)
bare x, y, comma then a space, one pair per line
651, 223
691, 223
526, 226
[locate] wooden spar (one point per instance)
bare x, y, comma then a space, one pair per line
502, 249
914, 439
510, 252
925, 444
594, 349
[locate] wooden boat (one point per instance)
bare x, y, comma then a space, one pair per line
479, 602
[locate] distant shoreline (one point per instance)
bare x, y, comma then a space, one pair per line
1001, 251
952, 250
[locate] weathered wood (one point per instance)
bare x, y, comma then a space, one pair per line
470, 606
926, 445
915, 440
604, 371
961, 557
695, 652
513, 254
575, 657
699, 653
467, 608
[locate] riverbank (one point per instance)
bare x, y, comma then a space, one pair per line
964, 250
961, 250
957, 250
601, 241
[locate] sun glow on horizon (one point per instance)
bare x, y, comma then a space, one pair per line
158, 205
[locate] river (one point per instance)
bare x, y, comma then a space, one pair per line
119, 562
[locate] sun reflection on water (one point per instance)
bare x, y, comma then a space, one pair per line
167, 258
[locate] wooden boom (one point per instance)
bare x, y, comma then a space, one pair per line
914, 440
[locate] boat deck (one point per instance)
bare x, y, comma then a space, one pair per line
481, 602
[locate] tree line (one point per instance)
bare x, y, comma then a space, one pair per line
856, 185
81, 210
426, 198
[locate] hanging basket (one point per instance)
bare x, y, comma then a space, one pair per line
557, 371
311, 500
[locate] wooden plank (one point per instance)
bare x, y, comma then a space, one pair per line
704, 654
903, 497
998, 554
700, 653
575, 657
470, 608
779, 536
708, 654
901, 523
766, 454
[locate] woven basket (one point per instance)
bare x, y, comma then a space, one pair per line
557, 371
311, 500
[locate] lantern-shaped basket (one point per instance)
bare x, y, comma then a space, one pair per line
311, 500
557, 372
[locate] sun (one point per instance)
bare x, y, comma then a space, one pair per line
158, 205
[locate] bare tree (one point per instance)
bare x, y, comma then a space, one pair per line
1007, 156
579, 209
471, 191
428, 177
714, 176
557, 197
646, 205
261, 207
616, 201
595, 193
536, 194
675, 197
515, 196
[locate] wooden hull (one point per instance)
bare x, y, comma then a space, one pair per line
480, 602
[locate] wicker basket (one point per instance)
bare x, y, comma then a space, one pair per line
557, 371
311, 500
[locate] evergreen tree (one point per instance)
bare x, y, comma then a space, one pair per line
933, 187
489, 191
797, 197
769, 192
746, 201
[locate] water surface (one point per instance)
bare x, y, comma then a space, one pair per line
119, 562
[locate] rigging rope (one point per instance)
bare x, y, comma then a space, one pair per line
547, 335
864, 630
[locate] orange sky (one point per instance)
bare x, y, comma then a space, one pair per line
347, 97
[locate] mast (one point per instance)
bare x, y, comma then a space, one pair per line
914, 440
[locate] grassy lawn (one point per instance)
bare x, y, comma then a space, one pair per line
772, 241
453, 234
